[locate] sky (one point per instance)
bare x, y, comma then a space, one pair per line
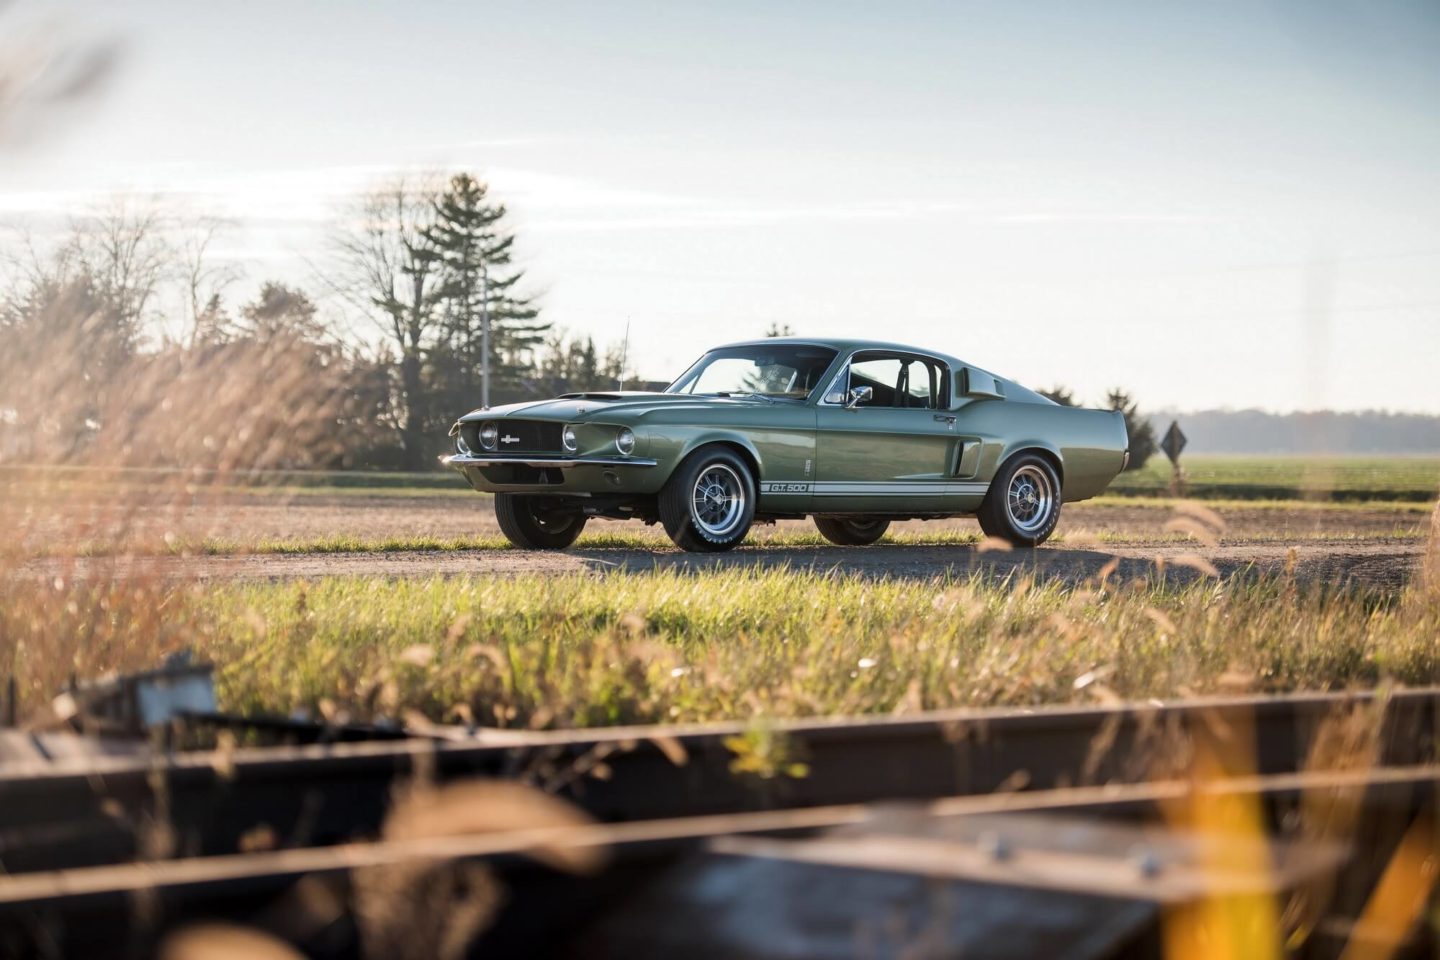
1214, 204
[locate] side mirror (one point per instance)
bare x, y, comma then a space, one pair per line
978, 383
858, 396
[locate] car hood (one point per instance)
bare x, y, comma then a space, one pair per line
607, 405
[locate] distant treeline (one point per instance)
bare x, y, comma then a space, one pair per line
121, 337
1319, 432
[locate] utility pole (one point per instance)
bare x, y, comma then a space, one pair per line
484, 336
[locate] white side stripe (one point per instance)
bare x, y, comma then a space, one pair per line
900, 488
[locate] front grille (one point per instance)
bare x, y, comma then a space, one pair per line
518, 436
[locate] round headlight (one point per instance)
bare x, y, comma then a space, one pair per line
625, 441
489, 435
567, 437
461, 447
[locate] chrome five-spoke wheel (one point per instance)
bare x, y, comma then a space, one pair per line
1029, 498
709, 502
717, 503
1023, 504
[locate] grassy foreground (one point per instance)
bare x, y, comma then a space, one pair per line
560, 651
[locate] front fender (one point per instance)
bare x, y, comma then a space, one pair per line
778, 441
729, 437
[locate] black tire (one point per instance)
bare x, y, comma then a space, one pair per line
527, 523
1023, 505
722, 515
848, 532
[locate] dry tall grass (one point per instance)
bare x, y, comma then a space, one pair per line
215, 414
1431, 568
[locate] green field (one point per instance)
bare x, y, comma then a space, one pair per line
672, 646
1414, 479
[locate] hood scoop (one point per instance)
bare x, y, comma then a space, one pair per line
609, 396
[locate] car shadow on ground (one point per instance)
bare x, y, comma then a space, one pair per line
909, 562
1057, 564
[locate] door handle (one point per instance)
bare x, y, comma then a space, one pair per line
944, 418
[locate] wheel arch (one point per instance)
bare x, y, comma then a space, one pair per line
1040, 448
735, 443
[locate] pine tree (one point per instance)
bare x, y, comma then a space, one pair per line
1061, 395
281, 312
475, 254
572, 364
1142, 435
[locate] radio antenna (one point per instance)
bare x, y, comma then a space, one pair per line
624, 354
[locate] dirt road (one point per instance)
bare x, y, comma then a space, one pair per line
1373, 545
1378, 563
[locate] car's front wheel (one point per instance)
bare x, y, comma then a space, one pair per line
847, 532
532, 523
709, 502
1023, 505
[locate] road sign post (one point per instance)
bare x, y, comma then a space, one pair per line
1172, 444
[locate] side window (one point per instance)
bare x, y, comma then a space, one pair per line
917, 385
880, 374
903, 382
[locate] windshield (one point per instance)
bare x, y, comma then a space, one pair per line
788, 370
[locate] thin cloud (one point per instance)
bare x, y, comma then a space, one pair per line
892, 210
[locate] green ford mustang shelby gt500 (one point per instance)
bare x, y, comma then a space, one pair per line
853, 433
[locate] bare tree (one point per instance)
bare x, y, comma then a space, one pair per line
123, 250
75, 312
204, 280
388, 265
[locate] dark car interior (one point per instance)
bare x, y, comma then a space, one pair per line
899, 381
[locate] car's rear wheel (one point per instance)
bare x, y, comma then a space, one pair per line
708, 504
1023, 505
847, 532
532, 523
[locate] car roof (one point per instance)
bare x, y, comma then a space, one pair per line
1014, 391
844, 345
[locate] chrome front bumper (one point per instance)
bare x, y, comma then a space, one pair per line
564, 463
